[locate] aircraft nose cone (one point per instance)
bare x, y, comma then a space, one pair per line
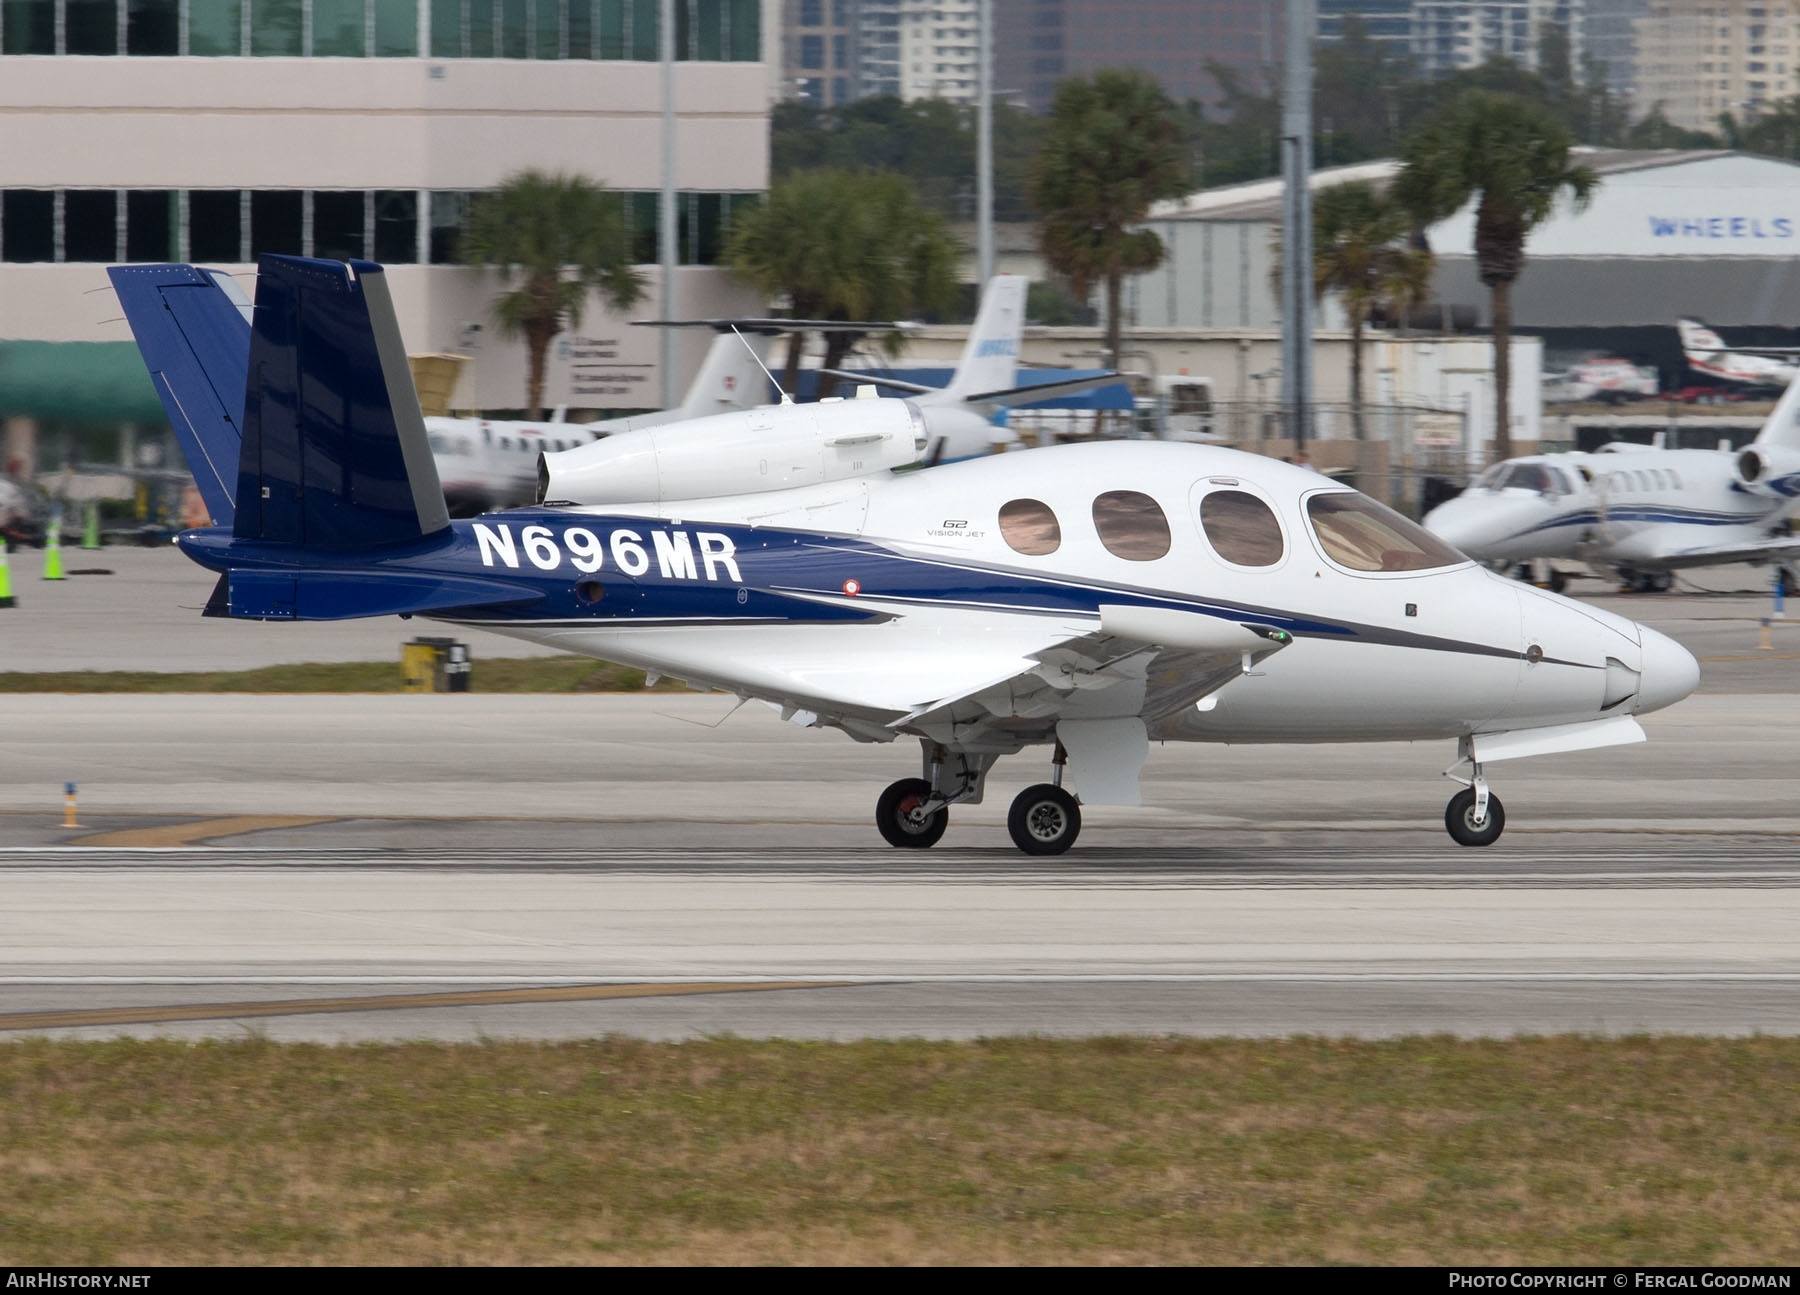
1670, 671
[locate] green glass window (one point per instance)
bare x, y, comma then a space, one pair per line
611, 37
481, 29
709, 30
644, 248
644, 47
396, 226
91, 26
28, 225
30, 28
275, 28
446, 28
744, 33
215, 225
546, 29
216, 29
396, 28
514, 37
151, 222
337, 28
276, 221
153, 27
90, 225
581, 29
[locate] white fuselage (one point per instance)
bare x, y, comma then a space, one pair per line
1637, 509
1441, 652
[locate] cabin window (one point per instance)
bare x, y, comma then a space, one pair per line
1131, 525
1030, 527
1674, 479
1358, 533
1241, 528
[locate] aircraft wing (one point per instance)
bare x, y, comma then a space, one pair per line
1775, 550
773, 325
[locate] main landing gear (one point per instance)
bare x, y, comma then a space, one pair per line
913, 813
1474, 815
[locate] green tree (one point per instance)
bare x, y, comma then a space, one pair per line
1360, 255
845, 245
1512, 157
561, 237
1112, 148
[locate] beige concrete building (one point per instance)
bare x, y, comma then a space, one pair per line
1699, 58
214, 130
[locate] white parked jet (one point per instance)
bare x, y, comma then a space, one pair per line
1706, 352
1643, 513
1082, 600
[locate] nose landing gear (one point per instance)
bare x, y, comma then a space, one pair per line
1474, 815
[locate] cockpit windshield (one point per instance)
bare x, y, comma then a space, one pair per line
1358, 533
1523, 476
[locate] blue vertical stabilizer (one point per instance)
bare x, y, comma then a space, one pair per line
335, 455
195, 340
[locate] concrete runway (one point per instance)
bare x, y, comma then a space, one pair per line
550, 867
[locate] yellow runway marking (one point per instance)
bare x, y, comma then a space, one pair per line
205, 829
388, 1003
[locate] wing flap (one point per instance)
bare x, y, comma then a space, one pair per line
1763, 551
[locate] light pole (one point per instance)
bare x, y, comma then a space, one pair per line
666, 209
984, 143
1296, 220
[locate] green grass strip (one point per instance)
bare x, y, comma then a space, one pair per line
500, 674
1556, 1150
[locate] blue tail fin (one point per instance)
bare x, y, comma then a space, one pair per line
193, 330
335, 454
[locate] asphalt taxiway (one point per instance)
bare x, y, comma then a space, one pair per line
349, 867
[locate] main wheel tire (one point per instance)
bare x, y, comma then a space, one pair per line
893, 816
1044, 820
1558, 581
1459, 815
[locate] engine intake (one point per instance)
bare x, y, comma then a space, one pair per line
1770, 470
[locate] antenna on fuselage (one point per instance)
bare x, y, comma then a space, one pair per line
786, 399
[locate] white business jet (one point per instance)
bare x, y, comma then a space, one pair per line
1706, 352
1642, 513
1083, 601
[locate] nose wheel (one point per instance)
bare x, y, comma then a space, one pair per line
1474, 815
1466, 826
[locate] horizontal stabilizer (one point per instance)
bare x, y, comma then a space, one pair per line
192, 332
1031, 394
777, 326
343, 595
1776, 550
894, 384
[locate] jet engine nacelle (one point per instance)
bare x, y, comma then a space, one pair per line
1770, 470
777, 447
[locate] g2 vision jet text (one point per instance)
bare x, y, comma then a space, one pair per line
1080, 600
1644, 513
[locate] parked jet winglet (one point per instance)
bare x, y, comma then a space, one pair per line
193, 331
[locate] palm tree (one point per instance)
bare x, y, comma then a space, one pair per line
844, 245
1112, 147
1360, 253
562, 236
1512, 157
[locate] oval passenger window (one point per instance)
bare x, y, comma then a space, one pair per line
1030, 527
1131, 525
1242, 528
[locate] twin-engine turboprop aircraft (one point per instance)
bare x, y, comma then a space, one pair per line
1645, 513
1085, 600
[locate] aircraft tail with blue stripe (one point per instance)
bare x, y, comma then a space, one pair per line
332, 478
